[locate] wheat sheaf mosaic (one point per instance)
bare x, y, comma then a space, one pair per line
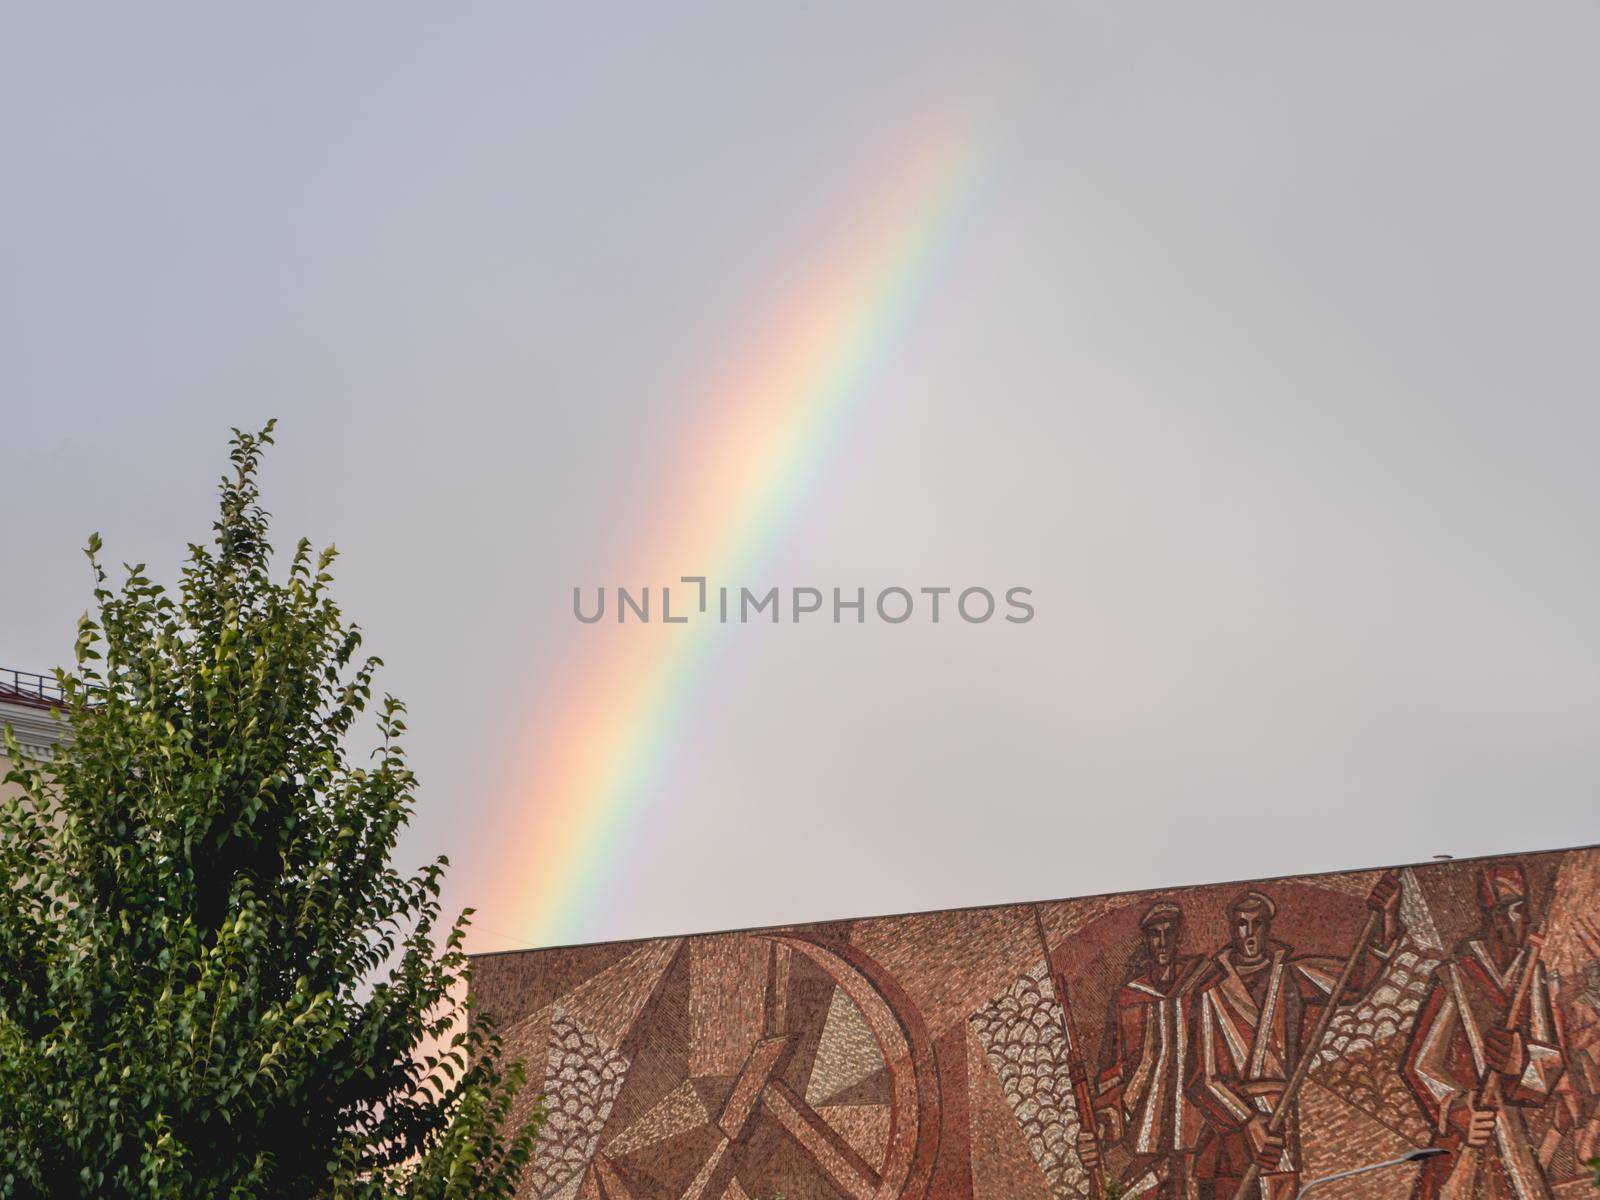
1228, 1042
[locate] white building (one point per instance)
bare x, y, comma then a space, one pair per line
28, 705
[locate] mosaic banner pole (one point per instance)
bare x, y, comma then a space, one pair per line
1082, 1095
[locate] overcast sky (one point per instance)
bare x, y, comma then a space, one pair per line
1264, 353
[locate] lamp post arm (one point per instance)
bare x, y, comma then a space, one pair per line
1408, 1157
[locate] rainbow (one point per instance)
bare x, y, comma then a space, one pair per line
579, 806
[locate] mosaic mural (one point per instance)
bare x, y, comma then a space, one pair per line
1230, 1042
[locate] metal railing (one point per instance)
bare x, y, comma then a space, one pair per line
29, 685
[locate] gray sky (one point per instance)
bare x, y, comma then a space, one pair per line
1264, 355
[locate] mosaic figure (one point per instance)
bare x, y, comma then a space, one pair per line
1140, 1100
1252, 1014
1487, 1048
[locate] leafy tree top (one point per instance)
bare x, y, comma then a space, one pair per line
214, 981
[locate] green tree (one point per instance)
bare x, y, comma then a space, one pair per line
213, 980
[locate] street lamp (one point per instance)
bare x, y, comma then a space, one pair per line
1410, 1156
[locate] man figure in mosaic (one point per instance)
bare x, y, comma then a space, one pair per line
1140, 1099
1253, 1010
1486, 1051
